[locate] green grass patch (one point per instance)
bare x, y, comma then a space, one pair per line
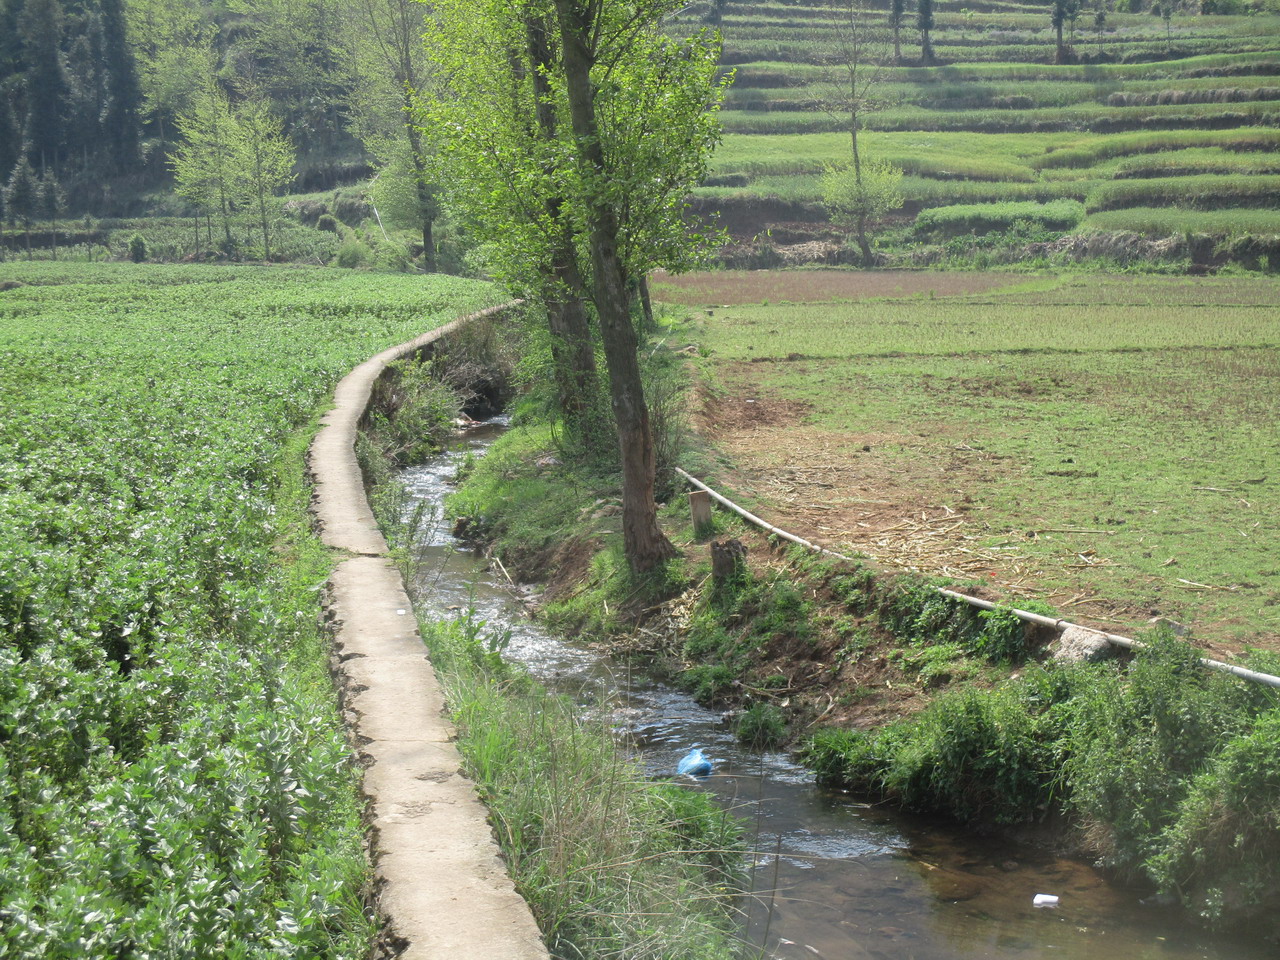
1001, 398
1163, 766
1169, 221
610, 862
986, 218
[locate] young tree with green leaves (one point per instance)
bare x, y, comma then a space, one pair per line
633, 124
855, 195
263, 159
22, 198
856, 59
204, 164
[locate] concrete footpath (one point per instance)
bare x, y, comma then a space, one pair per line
440, 882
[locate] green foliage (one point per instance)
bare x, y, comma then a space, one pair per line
762, 726
609, 862
352, 254
172, 766
1222, 851
983, 218
853, 195
138, 251
1169, 770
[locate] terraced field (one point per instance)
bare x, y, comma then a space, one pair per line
1156, 127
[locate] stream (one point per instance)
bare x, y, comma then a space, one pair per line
832, 877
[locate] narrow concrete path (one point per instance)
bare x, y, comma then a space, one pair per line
441, 884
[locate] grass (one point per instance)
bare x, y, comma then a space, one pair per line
1165, 770
173, 768
1165, 221
1141, 410
611, 863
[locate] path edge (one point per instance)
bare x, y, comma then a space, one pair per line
440, 884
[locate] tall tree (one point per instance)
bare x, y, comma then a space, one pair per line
204, 165
631, 134
22, 198
1060, 13
897, 17
924, 23
389, 66
50, 199
40, 26
601, 49
121, 125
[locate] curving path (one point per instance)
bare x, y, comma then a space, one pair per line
440, 882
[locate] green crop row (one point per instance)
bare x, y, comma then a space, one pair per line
1168, 221
1087, 153
174, 780
1205, 192
983, 218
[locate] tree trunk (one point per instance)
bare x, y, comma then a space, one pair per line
1061, 55
643, 540
926, 48
897, 45
573, 347
646, 304
864, 246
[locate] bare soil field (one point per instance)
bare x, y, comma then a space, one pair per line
1119, 485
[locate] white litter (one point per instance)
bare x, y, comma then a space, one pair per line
1044, 900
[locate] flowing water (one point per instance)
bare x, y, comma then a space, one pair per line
832, 877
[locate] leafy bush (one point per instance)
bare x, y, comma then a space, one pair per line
352, 254
138, 248
762, 726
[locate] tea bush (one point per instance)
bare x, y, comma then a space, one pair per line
174, 780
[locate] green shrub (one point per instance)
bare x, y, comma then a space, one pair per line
327, 222
352, 254
1223, 849
762, 726
138, 252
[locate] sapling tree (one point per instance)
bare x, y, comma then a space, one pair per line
263, 157
853, 195
204, 164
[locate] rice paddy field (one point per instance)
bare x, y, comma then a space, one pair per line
174, 777
1105, 444
1148, 114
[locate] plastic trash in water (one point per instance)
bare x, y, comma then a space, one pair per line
694, 763
1044, 900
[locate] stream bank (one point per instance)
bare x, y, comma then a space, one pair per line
831, 876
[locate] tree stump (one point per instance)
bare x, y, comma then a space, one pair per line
700, 511
728, 560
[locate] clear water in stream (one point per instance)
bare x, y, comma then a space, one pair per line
833, 877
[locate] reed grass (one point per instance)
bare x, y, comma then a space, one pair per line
612, 864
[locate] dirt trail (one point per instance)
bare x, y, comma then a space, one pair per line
440, 882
